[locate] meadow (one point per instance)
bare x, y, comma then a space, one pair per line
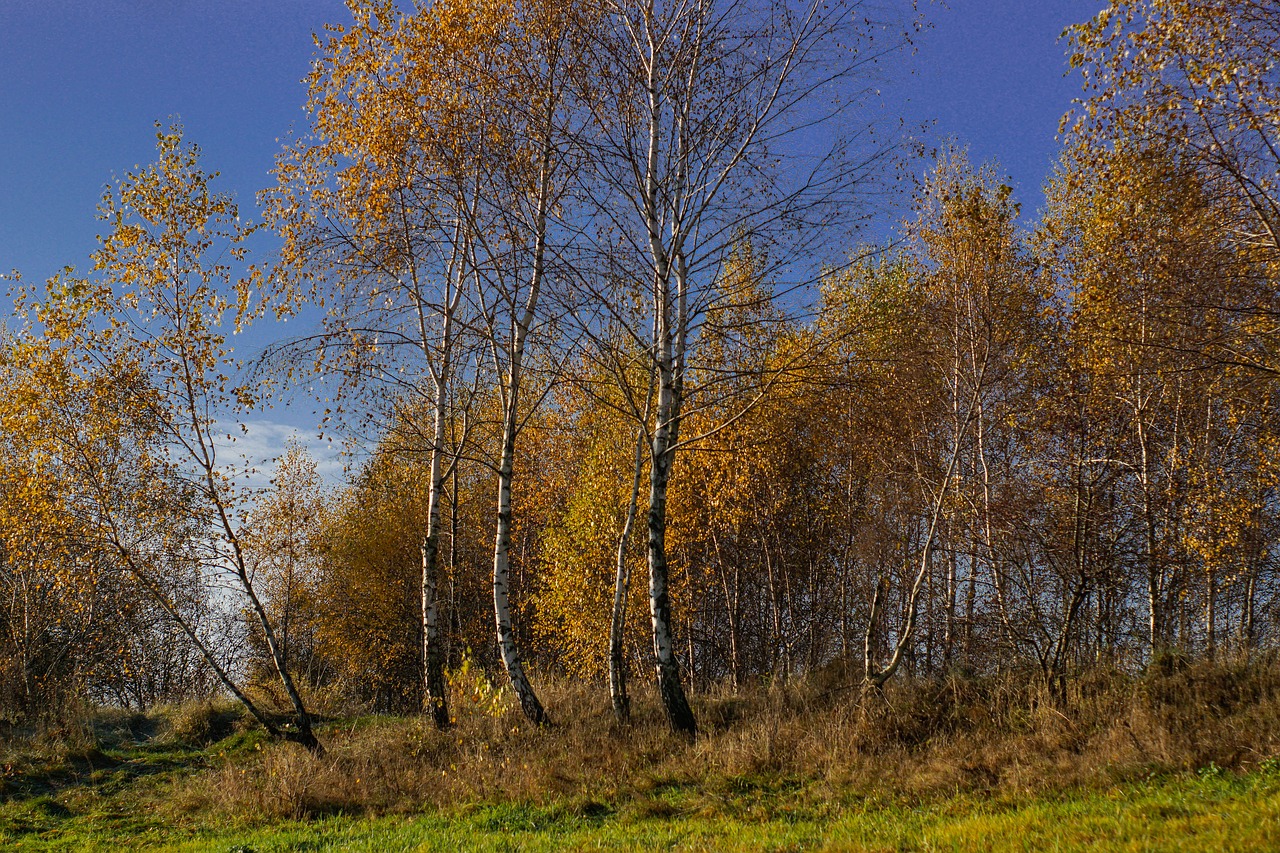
1174, 760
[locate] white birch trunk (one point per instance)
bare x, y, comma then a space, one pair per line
434, 691
875, 678
622, 584
507, 646
665, 437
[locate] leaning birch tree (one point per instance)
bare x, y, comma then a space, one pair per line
149, 322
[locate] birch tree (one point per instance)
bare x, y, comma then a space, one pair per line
379, 209
149, 321
523, 252
985, 304
1149, 256
695, 106
1199, 78
282, 544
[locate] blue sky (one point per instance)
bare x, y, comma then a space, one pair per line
83, 81
993, 75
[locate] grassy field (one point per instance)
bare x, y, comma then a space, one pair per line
1183, 764
1187, 812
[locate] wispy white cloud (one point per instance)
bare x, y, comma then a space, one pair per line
253, 451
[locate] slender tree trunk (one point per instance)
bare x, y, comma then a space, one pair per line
679, 714
302, 718
529, 702
777, 647
621, 586
1210, 614
669, 329
520, 311
435, 700
435, 694
844, 609
1057, 675
1246, 616
304, 734
869, 637
733, 605
455, 621
970, 605
875, 678
507, 648
949, 629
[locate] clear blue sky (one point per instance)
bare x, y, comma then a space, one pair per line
83, 81
993, 75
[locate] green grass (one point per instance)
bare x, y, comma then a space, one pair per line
1211, 810
1135, 768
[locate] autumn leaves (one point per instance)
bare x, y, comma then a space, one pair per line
546, 241
494, 189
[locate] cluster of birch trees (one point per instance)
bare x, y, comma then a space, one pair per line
562, 253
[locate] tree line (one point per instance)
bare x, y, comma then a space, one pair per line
556, 248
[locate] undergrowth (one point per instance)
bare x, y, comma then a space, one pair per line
800, 751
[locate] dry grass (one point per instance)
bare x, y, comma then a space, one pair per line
917, 740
